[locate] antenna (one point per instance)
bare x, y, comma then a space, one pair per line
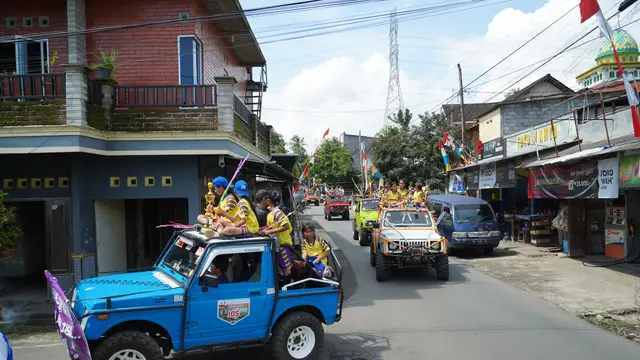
394, 93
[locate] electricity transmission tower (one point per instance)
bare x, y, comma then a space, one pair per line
394, 93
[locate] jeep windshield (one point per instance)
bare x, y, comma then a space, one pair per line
369, 205
337, 199
407, 218
473, 213
183, 257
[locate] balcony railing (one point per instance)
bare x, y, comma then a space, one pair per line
32, 87
190, 96
242, 110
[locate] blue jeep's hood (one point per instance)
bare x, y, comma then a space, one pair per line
126, 290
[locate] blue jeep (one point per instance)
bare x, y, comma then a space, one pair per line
207, 294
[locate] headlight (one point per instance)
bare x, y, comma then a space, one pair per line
459, 234
392, 246
495, 233
369, 222
435, 246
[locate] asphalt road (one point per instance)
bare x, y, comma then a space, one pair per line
414, 316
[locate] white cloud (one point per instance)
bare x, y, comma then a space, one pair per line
352, 83
340, 84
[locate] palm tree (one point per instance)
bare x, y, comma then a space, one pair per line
297, 145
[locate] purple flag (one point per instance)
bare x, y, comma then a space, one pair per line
69, 328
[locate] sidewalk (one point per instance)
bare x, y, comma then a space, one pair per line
564, 281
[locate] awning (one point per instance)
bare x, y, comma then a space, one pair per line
625, 143
265, 169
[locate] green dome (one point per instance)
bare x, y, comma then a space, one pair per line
624, 42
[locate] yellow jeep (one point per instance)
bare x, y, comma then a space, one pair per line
407, 238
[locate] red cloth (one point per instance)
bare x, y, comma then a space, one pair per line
588, 8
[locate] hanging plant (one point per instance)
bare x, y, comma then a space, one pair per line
106, 64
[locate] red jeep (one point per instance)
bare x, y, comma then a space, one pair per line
336, 205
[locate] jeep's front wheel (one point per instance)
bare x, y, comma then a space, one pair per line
372, 255
355, 232
298, 336
128, 345
382, 267
363, 236
442, 268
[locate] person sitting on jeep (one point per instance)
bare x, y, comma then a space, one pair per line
393, 197
244, 222
314, 246
402, 189
219, 267
419, 195
278, 224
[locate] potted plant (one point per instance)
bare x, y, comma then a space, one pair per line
106, 64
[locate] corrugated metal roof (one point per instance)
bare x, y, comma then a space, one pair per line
600, 148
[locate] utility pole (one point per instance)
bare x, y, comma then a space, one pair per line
461, 104
361, 160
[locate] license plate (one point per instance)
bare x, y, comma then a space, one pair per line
417, 258
417, 252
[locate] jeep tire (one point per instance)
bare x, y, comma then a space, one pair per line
382, 267
129, 341
363, 236
372, 255
345, 216
488, 251
442, 267
307, 333
355, 232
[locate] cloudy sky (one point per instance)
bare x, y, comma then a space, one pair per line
339, 80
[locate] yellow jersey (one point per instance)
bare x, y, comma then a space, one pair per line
393, 196
229, 205
245, 212
316, 248
277, 218
418, 196
403, 194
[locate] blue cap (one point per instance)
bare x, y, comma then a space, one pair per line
242, 188
220, 182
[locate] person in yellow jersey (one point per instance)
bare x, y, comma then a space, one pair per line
228, 206
393, 197
244, 222
402, 189
315, 250
419, 196
278, 224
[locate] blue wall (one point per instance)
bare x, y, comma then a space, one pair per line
39, 166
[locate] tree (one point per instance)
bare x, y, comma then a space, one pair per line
410, 152
9, 232
277, 143
402, 119
511, 92
297, 146
333, 163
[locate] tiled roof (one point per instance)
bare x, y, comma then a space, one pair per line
471, 111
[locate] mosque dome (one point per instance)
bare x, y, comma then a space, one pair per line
624, 42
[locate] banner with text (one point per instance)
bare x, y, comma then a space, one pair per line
456, 182
608, 178
541, 137
488, 176
472, 179
630, 171
575, 181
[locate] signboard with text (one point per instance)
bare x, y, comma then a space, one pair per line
492, 149
629, 171
471, 179
541, 137
575, 181
488, 176
608, 176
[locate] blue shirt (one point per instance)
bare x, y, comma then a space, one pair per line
5, 349
222, 279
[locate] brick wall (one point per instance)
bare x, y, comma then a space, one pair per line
32, 113
56, 10
171, 120
520, 116
149, 56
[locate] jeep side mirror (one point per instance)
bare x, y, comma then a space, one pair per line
207, 281
376, 226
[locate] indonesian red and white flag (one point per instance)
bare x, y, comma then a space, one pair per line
588, 8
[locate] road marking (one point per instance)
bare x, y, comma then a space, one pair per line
34, 346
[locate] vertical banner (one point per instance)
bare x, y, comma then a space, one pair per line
69, 328
608, 176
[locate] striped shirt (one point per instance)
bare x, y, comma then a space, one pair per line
317, 247
229, 205
245, 212
276, 219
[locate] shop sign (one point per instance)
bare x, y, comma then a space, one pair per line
456, 183
575, 181
630, 171
608, 176
471, 179
506, 175
541, 137
613, 237
492, 149
487, 176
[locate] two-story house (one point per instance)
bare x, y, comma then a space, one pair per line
94, 165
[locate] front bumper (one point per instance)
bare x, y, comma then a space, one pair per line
337, 212
368, 225
473, 243
414, 254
